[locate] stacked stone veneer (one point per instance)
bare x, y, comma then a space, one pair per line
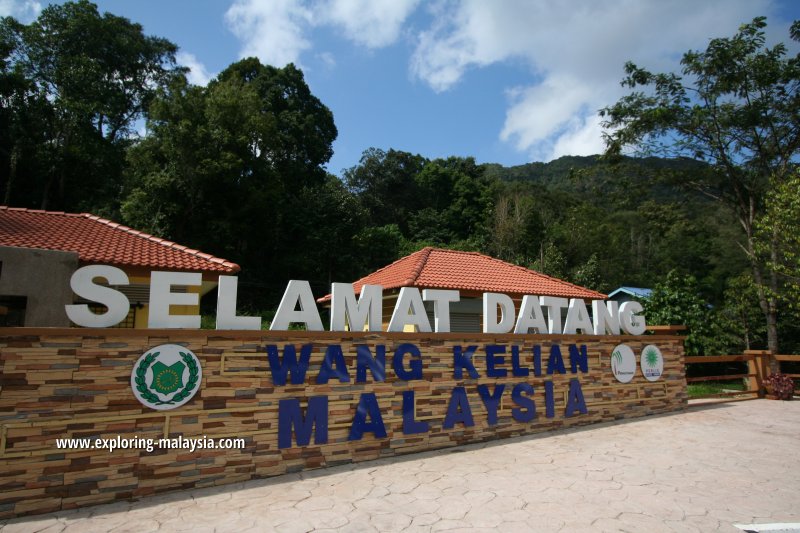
62, 383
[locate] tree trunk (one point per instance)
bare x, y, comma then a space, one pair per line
12, 174
772, 303
62, 188
746, 325
768, 307
767, 302
46, 192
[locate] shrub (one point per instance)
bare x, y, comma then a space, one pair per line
780, 385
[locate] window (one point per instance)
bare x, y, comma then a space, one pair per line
12, 311
128, 322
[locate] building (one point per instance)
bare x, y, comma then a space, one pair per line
39, 251
471, 274
627, 294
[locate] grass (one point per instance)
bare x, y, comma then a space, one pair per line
708, 388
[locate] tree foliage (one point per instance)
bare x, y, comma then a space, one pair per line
778, 239
740, 316
678, 301
74, 84
734, 106
235, 168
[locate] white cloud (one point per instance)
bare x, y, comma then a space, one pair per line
23, 10
580, 137
272, 30
575, 51
370, 23
276, 31
198, 75
553, 119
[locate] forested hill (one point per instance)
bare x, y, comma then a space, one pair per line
595, 222
554, 171
606, 223
606, 181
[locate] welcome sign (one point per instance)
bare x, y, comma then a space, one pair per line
166, 388
75, 433
96, 415
348, 313
301, 420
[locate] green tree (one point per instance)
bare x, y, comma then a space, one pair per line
517, 229
321, 246
778, 238
740, 315
75, 83
376, 247
551, 261
386, 184
236, 169
737, 111
468, 208
444, 202
678, 301
588, 274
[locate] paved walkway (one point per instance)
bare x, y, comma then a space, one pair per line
702, 470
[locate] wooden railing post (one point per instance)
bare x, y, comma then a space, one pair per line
759, 366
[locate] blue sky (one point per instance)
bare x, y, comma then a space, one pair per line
505, 81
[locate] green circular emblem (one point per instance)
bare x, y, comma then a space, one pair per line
652, 363
166, 377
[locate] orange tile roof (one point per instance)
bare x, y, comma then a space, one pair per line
101, 241
436, 268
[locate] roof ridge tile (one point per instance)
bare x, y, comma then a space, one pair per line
390, 265
37, 211
424, 253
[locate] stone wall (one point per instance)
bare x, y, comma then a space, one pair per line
76, 383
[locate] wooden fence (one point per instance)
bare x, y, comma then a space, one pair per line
758, 367
790, 359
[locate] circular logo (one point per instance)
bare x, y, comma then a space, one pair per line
623, 363
652, 363
166, 377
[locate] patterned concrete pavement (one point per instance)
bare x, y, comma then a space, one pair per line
701, 470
